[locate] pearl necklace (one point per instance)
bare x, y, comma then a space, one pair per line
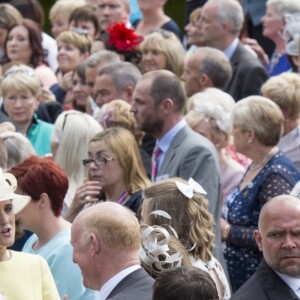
254, 167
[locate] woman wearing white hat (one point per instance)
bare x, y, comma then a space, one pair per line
22, 276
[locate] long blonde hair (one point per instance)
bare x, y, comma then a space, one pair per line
189, 217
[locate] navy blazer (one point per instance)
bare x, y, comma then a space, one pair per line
265, 284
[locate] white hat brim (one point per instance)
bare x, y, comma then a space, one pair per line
19, 201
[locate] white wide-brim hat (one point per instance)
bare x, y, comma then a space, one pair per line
8, 185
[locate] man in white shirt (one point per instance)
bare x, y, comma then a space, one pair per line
106, 241
278, 237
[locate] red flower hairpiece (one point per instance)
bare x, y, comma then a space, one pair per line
122, 38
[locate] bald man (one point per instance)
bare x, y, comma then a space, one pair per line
278, 237
106, 241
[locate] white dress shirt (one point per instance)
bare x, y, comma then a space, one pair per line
292, 282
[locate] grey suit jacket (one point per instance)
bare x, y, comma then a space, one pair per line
136, 285
191, 155
248, 74
265, 284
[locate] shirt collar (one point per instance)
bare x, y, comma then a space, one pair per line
292, 282
113, 282
165, 141
232, 47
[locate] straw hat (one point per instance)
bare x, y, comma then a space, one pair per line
8, 185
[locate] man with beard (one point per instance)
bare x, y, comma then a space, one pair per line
158, 108
278, 237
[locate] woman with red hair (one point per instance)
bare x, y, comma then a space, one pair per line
45, 182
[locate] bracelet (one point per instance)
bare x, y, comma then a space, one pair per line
225, 232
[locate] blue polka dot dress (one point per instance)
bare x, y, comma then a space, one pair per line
242, 209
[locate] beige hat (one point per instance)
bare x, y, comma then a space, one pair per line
8, 185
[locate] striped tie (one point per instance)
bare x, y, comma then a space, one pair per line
154, 162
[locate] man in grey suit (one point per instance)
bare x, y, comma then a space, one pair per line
219, 26
158, 107
106, 241
278, 237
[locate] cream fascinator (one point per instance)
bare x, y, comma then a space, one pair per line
154, 250
8, 185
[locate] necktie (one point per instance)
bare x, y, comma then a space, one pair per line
154, 163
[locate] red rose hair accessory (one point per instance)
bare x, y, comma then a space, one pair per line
123, 39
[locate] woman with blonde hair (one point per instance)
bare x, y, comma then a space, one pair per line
192, 33
21, 89
189, 216
60, 13
161, 49
115, 171
117, 114
71, 135
284, 90
257, 129
73, 49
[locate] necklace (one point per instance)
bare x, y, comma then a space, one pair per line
254, 167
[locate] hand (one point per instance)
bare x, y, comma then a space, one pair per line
47, 96
225, 229
261, 54
66, 81
86, 195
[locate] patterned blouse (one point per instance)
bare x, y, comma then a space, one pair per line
242, 209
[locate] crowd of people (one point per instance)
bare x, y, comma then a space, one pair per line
138, 161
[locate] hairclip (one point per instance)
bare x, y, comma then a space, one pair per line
189, 189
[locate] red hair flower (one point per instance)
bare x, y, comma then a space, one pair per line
122, 38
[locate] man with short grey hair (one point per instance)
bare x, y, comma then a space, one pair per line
96, 62
116, 81
219, 26
207, 67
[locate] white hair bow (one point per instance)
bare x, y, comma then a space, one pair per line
189, 189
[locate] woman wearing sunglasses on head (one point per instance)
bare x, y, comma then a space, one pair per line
115, 172
21, 89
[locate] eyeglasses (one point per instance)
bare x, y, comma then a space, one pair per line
26, 73
101, 161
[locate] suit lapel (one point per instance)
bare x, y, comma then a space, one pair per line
171, 153
274, 287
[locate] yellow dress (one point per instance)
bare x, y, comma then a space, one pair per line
27, 277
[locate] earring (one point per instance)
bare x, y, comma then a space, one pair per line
249, 142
